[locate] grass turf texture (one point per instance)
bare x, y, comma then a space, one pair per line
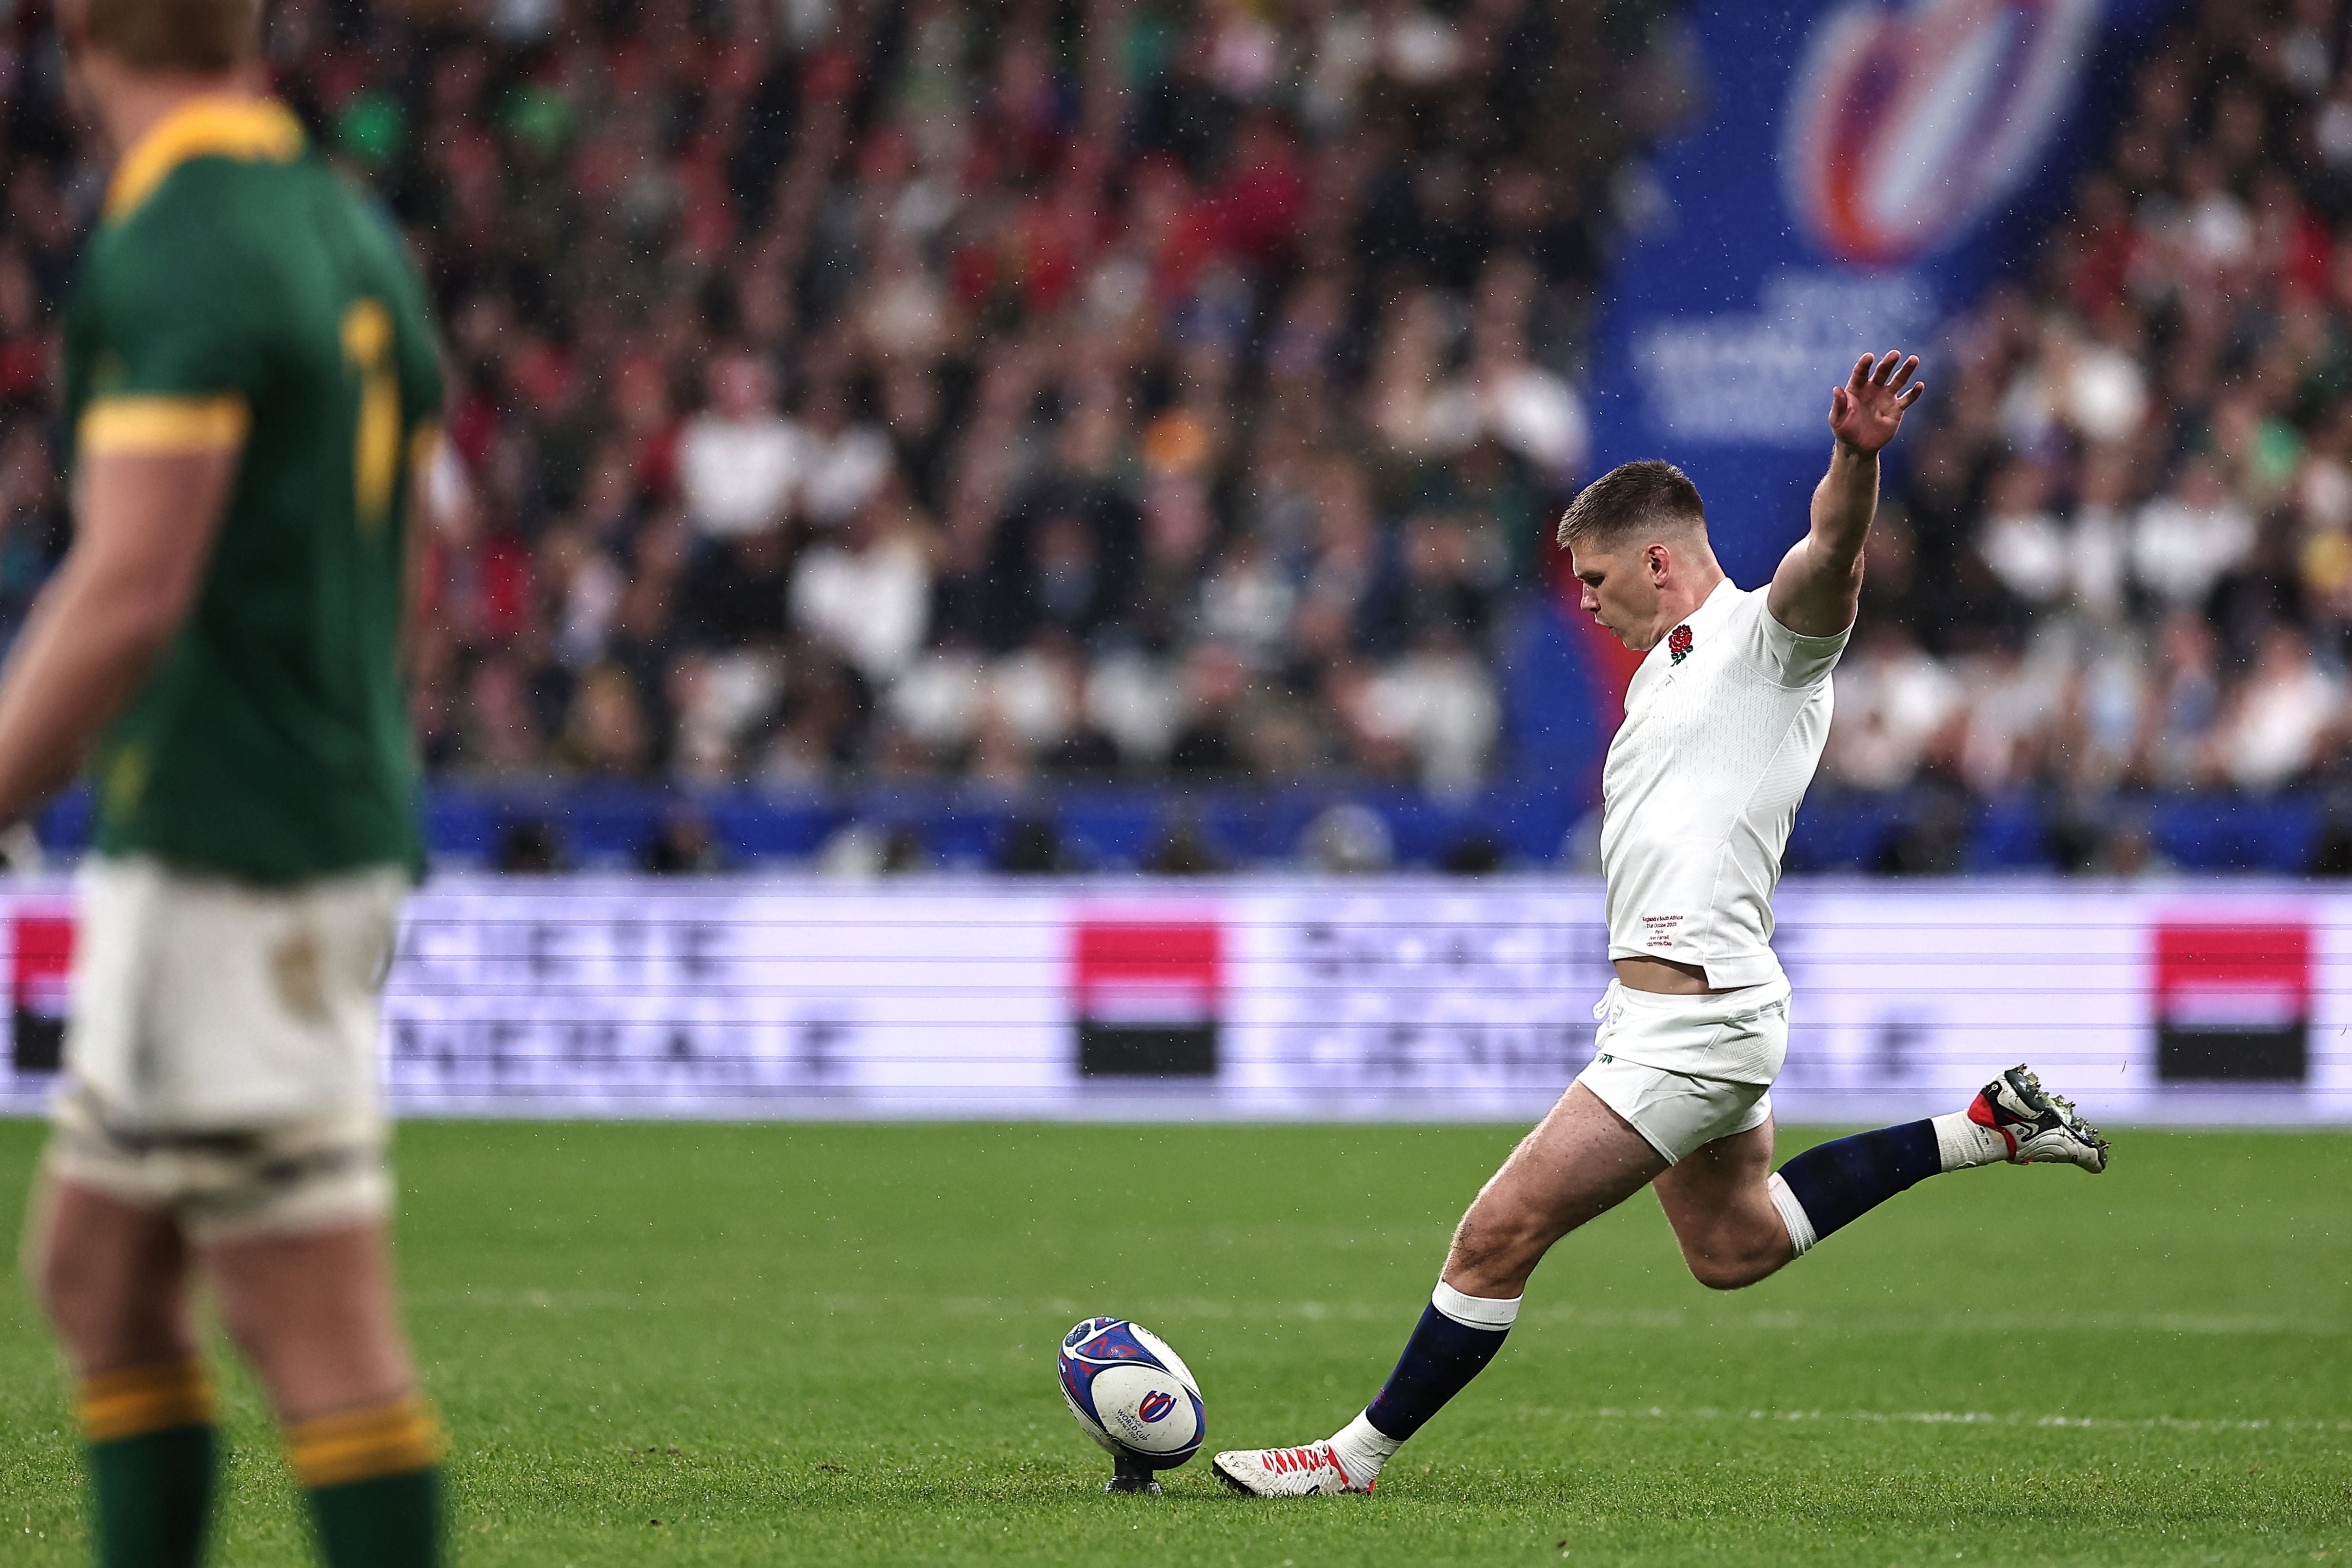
693, 1344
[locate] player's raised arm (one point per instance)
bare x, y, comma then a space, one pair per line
1819, 585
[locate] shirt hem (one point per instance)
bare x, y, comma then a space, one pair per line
1722, 974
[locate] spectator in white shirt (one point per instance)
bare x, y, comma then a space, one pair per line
2182, 543
2272, 728
2097, 390
2025, 546
844, 465
1892, 699
2101, 532
1441, 703
740, 462
867, 592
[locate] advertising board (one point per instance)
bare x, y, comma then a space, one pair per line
1398, 999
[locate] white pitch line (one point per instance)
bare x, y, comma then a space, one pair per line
1178, 1309
1958, 1418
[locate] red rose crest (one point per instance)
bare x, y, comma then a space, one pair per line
1678, 643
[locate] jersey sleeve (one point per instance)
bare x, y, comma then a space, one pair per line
178, 352
1794, 661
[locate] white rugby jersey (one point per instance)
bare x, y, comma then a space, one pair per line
1725, 723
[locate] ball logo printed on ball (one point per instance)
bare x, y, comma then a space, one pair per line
1156, 1405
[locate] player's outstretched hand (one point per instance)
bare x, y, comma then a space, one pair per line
1867, 410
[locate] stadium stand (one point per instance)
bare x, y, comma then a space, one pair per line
1100, 435
934, 391
2106, 625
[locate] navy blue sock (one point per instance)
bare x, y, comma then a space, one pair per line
1438, 1363
1840, 1181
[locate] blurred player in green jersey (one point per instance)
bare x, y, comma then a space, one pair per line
251, 383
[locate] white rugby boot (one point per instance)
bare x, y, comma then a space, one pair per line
1311, 1471
2039, 1127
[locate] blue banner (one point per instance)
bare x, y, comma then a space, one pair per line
1856, 171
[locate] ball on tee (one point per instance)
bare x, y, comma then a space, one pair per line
1131, 1393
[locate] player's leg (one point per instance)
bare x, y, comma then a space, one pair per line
254, 1012
1738, 1220
2014, 1119
113, 1278
314, 1313
1719, 1201
1581, 1161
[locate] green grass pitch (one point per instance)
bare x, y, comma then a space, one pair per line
755, 1344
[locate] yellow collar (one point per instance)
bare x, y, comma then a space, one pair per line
255, 130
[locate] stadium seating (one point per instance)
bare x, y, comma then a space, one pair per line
1156, 422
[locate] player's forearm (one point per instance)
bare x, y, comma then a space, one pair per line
1844, 502
91, 640
145, 516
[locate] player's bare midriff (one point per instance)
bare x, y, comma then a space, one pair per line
1664, 976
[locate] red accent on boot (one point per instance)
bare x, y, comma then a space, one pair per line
1981, 1112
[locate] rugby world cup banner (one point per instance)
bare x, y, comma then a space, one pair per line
1856, 171
1390, 999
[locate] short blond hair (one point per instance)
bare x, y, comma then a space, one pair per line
203, 37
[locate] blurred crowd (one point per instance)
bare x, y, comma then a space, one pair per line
1090, 388
2120, 550
893, 390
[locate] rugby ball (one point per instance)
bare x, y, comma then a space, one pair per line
1133, 1394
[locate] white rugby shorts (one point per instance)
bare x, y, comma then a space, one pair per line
221, 1059
1686, 1071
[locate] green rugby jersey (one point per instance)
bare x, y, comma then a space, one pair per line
239, 290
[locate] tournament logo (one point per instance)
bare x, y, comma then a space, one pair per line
1905, 126
1155, 1406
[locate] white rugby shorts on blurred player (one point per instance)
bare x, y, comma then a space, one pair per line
1686, 1071
221, 1061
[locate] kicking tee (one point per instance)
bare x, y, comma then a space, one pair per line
238, 289
1725, 722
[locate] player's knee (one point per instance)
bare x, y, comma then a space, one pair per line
1724, 1274
1721, 1265
256, 1325
1494, 1248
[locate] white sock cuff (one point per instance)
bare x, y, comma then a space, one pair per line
1961, 1143
1792, 1214
1475, 1311
1360, 1440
